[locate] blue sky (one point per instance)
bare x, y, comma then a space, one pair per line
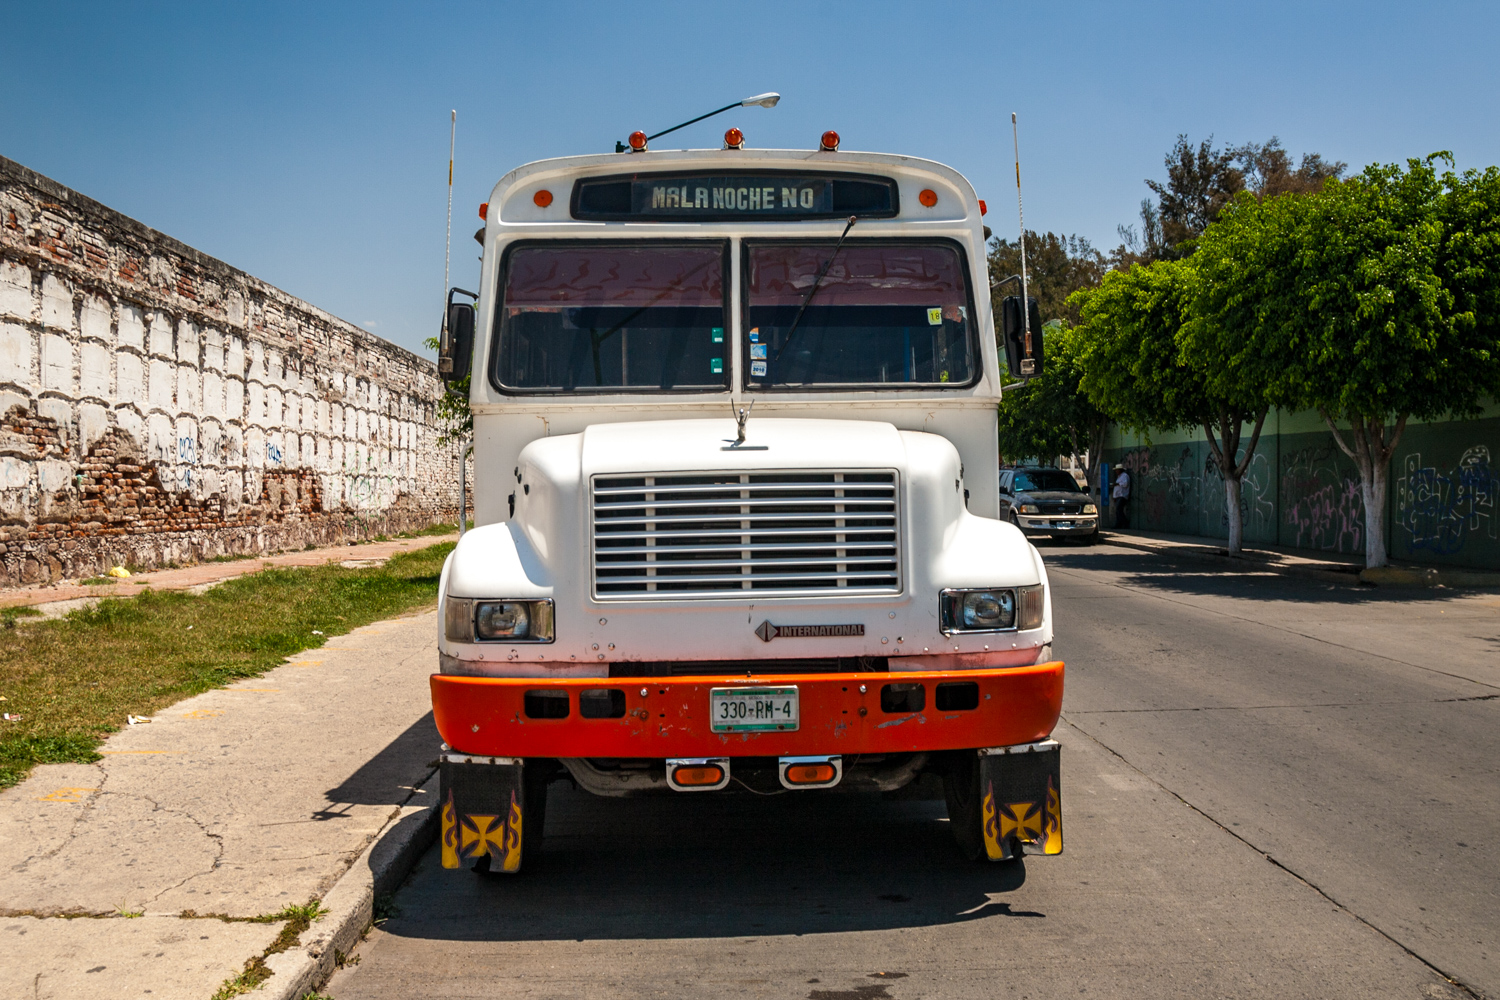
307, 143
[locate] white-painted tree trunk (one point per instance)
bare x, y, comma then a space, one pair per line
1232, 510
1372, 456
1372, 490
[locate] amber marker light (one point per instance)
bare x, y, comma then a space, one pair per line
830, 142
707, 774
484, 210
810, 774
983, 208
543, 198
928, 197
637, 142
734, 139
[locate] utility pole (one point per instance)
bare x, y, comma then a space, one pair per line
1021, 217
463, 451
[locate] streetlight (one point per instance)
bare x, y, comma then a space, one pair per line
759, 100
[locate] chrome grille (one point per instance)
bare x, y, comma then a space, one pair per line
762, 533
1061, 508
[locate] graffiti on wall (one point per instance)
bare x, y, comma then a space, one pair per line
1257, 500
1165, 487
1441, 510
1325, 508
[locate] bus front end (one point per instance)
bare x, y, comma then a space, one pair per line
736, 503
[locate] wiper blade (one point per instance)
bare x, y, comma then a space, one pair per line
814, 289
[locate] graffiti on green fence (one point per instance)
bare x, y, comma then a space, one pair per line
1441, 510
1323, 502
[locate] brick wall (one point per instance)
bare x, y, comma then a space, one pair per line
158, 405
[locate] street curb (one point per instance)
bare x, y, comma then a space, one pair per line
350, 904
1431, 576
1238, 566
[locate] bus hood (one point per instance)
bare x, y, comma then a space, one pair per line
710, 446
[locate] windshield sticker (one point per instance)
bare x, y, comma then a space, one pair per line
758, 369
754, 334
717, 366
758, 352
718, 333
935, 316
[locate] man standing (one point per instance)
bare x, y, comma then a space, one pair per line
1120, 499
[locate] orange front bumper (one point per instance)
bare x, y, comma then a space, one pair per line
668, 716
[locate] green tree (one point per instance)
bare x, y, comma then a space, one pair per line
1051, 414
1153, 359
1201, 182
455, 419
1384, 297
1056, 267
1268, 170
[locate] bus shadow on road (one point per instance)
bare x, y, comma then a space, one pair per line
388, 776
695, 866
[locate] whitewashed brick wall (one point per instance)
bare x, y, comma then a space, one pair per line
158, 405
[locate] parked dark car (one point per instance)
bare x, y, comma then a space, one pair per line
1043, 501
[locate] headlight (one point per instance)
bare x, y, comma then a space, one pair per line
1089, 508
1002, 609
467, 620
987, 609
1030, 508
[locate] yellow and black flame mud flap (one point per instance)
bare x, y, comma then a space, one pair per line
1020, 799
482, 803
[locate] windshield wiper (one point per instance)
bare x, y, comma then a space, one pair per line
814, 289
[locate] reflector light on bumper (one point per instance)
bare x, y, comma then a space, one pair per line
698, 774
810, 772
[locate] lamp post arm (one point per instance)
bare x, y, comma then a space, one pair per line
685, 124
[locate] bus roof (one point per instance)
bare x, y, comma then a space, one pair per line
922, 190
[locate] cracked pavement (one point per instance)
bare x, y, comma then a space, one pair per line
237, 802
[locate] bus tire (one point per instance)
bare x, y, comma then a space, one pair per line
965, 812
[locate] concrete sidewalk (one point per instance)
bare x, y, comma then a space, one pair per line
1330, 567
232, 804
207, 573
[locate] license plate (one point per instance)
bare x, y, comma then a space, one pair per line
1065, 524
753, 710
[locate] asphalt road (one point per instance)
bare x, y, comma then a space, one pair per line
1272, 788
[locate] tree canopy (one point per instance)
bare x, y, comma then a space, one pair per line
1051, 414
1056, 267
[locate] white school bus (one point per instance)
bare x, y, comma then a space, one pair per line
736, 510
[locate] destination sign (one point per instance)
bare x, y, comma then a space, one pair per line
725, 196
719, 196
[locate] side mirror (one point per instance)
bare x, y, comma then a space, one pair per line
456, 345
1023, 348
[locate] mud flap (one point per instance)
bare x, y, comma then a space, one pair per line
1021, 799
482, 801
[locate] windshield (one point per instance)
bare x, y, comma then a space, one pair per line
1045, 479
591, 316
885, 313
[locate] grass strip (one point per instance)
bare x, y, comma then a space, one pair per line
73, 680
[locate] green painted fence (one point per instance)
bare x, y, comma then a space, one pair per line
1301, 490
